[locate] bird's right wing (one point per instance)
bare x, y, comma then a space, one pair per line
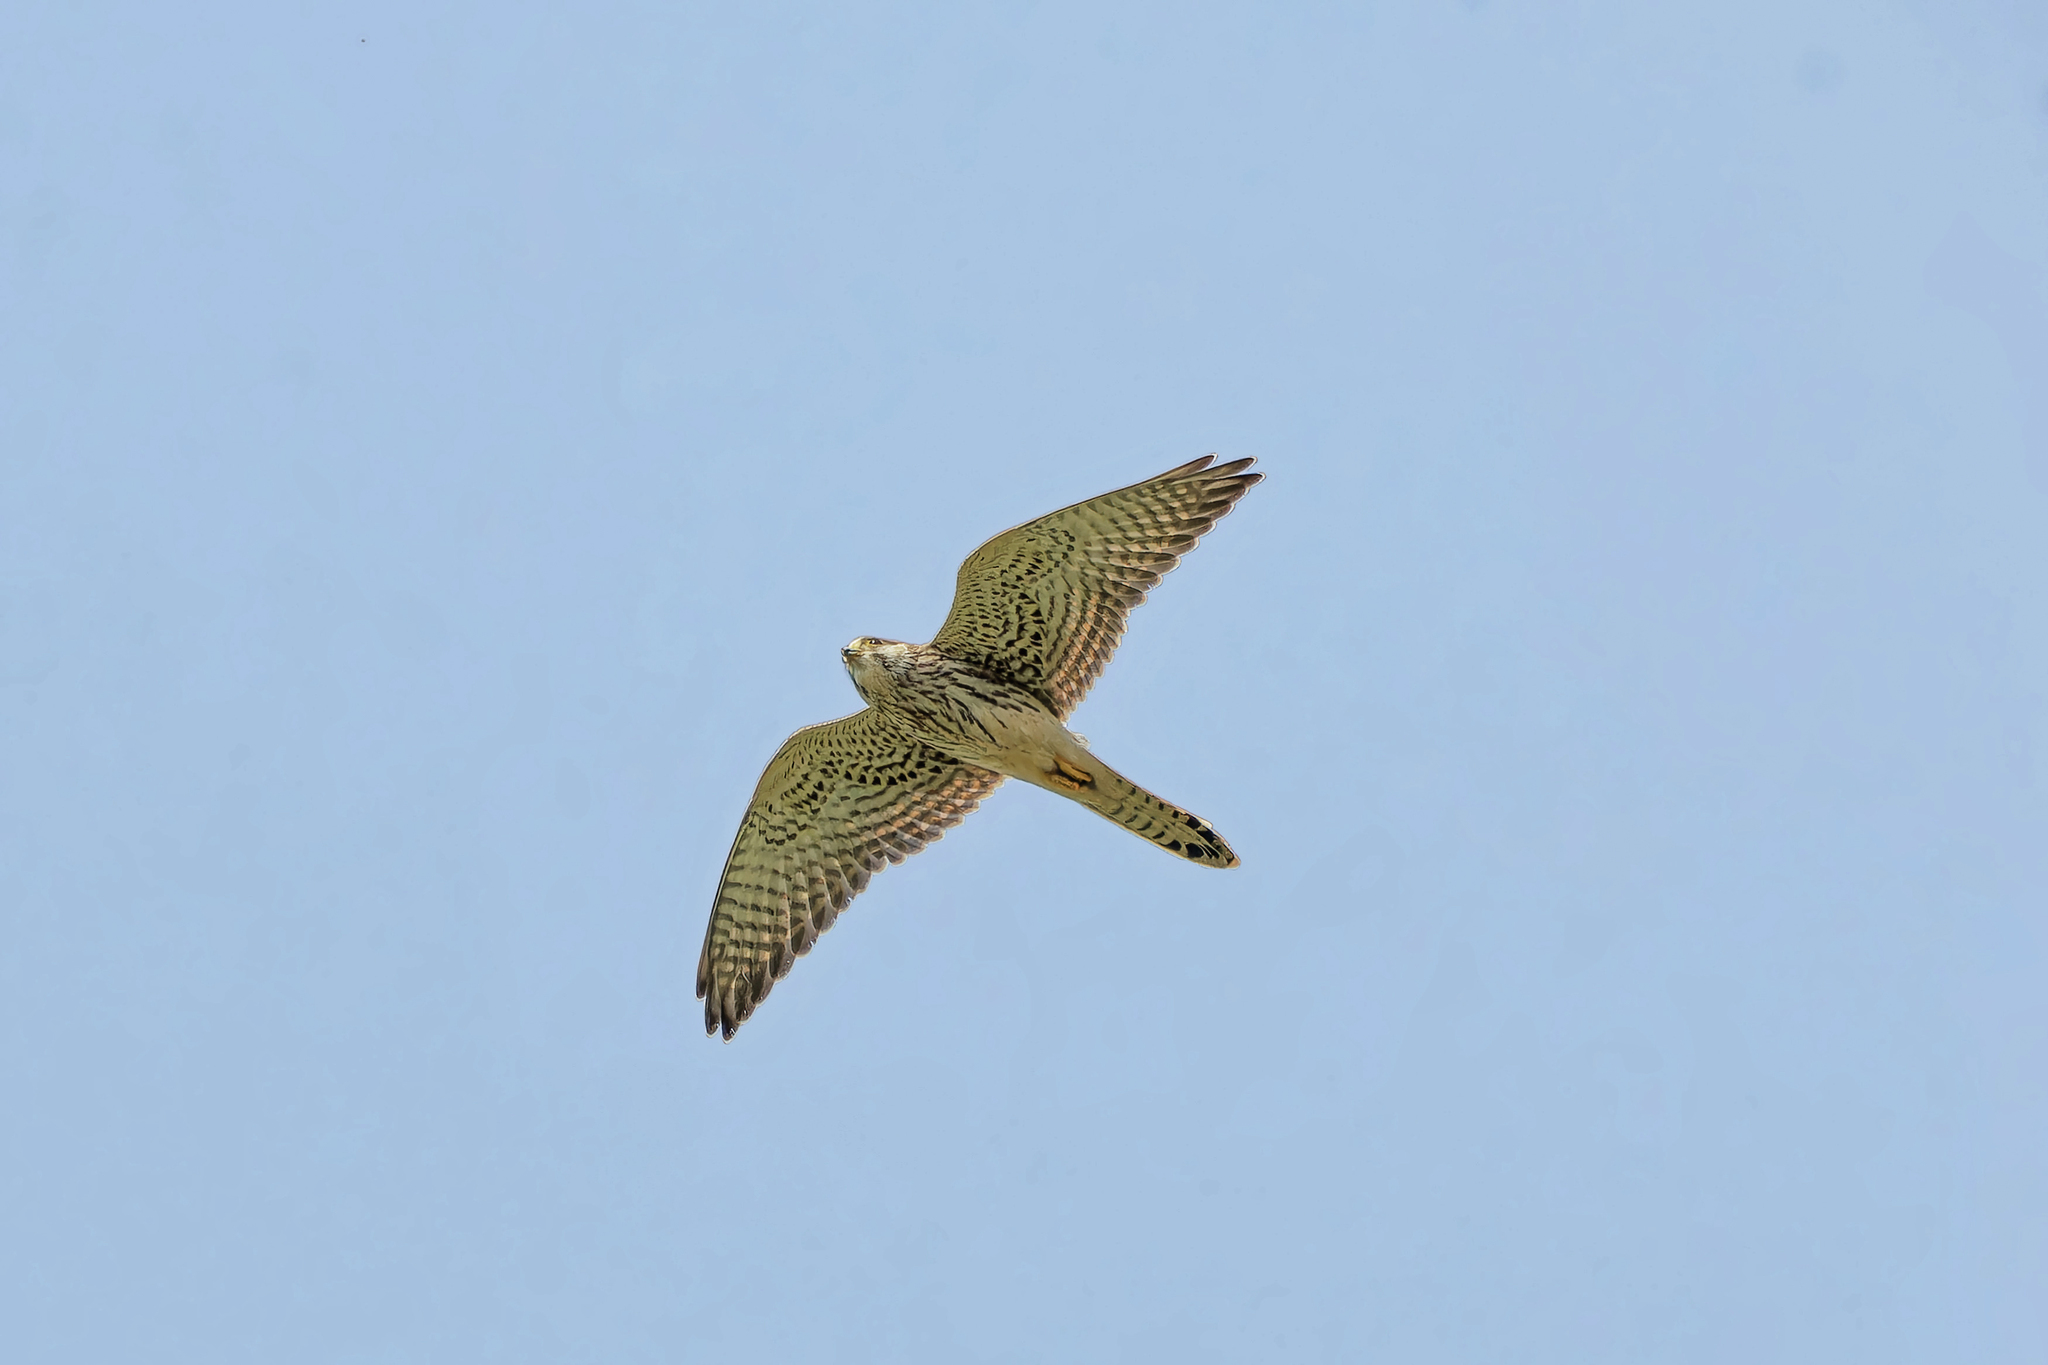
1043, 604
839, 802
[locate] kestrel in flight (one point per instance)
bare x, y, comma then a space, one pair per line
1036, 614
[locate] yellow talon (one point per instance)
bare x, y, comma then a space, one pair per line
1071, 778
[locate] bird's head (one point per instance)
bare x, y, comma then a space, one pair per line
864, 657
866, 644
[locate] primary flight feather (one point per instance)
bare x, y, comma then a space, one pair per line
1036, 614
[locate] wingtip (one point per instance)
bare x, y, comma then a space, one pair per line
721, 1019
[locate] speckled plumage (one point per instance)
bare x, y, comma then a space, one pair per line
1036, 614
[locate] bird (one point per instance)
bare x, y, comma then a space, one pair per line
1036, 614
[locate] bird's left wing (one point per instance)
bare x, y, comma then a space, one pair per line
1043, 604
839, 802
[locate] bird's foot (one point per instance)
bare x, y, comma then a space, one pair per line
1067, 777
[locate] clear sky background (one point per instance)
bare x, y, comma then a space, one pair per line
441, 454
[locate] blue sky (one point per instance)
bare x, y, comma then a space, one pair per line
443, 450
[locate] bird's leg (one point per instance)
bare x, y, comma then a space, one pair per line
1068, 777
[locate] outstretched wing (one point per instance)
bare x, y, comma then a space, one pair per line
839, 802
1044, 605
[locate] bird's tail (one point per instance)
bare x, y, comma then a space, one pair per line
1113, 796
